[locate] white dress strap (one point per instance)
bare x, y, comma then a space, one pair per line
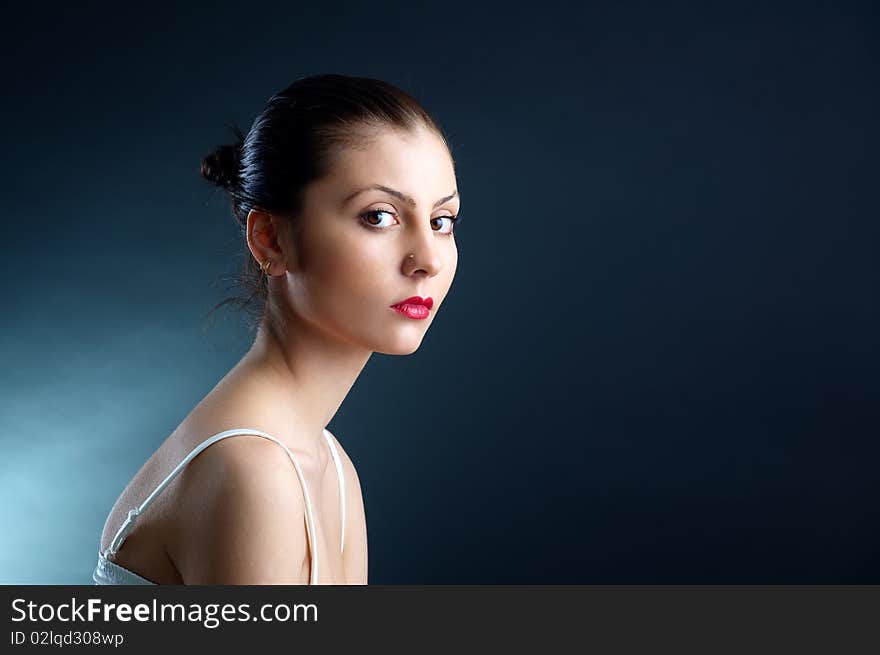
129, 523
340, 476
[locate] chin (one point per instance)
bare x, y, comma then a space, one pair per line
405, 345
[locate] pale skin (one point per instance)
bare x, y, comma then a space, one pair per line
236, 513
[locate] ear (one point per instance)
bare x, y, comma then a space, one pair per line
264, 237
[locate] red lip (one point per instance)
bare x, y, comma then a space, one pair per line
416, 300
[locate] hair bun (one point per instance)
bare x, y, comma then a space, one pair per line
221, 166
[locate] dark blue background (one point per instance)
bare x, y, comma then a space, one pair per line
658, 362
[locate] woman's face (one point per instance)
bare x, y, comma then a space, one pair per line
352, 260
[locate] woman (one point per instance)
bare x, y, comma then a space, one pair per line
346, 194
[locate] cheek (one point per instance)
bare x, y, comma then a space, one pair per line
350, 270
454, 260
450, 268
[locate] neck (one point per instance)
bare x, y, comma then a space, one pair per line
311, 371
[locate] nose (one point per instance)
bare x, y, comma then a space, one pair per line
423, 255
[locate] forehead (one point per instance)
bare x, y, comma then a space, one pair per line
417, 163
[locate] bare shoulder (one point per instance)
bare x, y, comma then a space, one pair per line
232, 498
355, 554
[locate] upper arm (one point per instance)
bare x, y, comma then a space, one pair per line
355, 557
249, 526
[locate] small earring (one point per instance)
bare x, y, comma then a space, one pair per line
412, 255
265, 267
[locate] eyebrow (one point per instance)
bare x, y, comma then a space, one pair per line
398, 194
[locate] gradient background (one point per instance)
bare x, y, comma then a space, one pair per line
658, 362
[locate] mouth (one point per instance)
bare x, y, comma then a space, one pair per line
414, 307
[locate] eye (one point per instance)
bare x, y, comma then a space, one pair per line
452, 220
376, 213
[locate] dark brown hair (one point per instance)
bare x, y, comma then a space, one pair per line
292, 143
